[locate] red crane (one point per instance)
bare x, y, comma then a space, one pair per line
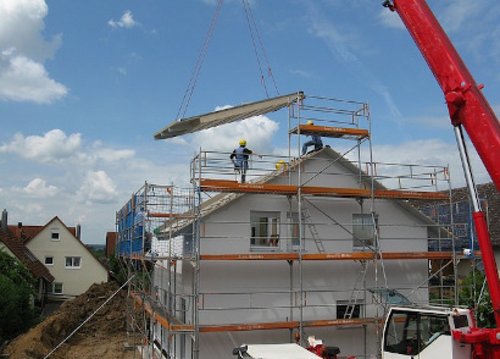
468, 110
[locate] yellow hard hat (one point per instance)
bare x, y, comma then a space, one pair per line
280, 164
310, 122
243, 142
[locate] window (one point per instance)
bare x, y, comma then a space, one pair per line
364, 229
408, 333
57, 288
49, 261
347, 310
73, 262
54, 235
264, 229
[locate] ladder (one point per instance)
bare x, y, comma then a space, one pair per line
353, 300
306, 215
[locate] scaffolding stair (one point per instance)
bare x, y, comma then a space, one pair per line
314, 231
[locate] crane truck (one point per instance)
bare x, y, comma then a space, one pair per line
451, 333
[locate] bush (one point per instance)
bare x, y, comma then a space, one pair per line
17, 289
470, 289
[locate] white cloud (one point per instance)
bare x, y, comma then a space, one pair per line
126, 21
38, 188
53, 146
23, 50
110, 155
258, 131
22, 79
431, 152
301, 73
97, 187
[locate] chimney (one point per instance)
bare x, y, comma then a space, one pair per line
78, 232
4, 219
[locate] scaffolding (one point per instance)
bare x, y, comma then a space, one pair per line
190, 240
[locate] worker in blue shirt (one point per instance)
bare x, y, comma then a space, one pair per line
314, 141
239, 157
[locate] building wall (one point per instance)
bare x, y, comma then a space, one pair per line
75, 280
264, 291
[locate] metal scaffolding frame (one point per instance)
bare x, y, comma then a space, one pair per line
173, 218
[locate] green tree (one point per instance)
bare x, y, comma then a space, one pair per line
118, 270
17, 290
471, 288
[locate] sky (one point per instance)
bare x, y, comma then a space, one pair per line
84, 85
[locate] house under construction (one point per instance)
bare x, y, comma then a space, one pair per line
318, 244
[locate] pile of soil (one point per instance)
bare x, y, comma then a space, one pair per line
103, 336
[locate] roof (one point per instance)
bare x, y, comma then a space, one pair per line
212, 119
486, 191
24, 255
26, 233
71, 230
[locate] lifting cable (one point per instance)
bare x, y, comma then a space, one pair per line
199, 62
254, 34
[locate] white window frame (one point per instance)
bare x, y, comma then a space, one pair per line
53, 288
55, 231
344, 304
72, 266
272, 226
364, 230
49, 264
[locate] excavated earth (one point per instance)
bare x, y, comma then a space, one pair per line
104, 336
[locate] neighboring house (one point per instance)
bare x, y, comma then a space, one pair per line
70, 262
110, 244
459, 211
249, 287
15, 248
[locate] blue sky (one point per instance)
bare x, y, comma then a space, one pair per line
85, 84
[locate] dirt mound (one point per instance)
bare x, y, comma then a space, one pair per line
109, 322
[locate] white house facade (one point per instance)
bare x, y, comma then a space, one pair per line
73, 266
263, 275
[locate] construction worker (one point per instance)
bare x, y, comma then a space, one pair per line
314, 141
239, 157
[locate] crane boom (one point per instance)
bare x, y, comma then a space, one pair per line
466, 104
470, 110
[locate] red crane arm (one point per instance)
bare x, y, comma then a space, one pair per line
468, 109
466, 104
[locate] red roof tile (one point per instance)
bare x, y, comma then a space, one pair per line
17, 247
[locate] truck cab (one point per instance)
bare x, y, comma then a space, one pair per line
426, 333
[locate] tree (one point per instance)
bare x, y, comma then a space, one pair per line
17, 288
474, 294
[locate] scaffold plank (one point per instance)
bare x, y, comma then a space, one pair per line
332, 256
329, 131
286, 325
218, 185
171, 325
169, 215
